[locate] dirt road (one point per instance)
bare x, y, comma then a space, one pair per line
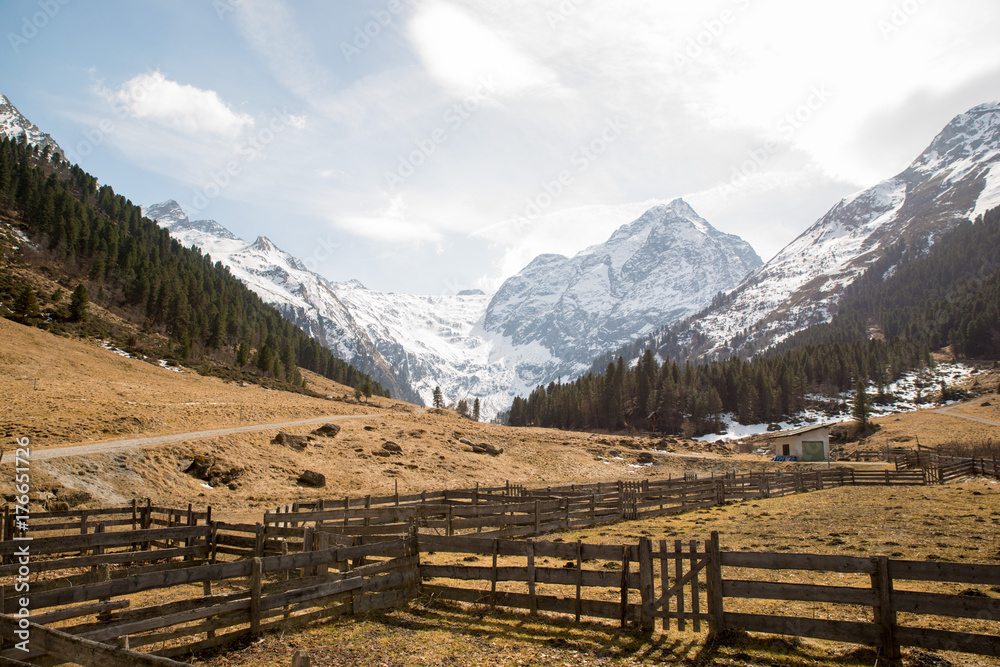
949, 411
132, 443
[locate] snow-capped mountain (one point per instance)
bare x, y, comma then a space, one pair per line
546, 322
305, 298
14, 125
658, 269
956, 178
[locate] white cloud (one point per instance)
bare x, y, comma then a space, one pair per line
278, 38
459, 51
392, 224
181, 107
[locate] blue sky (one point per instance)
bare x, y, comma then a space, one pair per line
435, 145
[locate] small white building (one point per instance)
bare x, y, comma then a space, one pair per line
809, 443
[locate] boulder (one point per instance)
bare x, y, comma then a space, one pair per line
327, 430
298, 442
486, 448
313, 479
73, 497
200, 465
390, 446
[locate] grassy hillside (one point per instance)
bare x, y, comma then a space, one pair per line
73, 252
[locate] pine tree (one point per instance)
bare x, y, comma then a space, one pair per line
26, 305
78, 303
243, 354
366, 388
475, 410
463, 408
438, 398
861, 411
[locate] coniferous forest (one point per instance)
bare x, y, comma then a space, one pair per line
131, 267
914, 300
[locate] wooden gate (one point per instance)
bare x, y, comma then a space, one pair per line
684, 584
628, 499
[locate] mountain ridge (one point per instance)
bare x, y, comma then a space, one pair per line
414, 343
950, 181
14, 125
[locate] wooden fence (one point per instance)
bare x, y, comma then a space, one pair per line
944, 469
187, 614
137, 516
512, 511
142, 575
699, 583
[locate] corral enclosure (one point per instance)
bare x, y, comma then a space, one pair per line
312, 562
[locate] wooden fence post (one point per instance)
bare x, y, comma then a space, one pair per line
626, 561
301, 659
258, 543
678, 575
307, 545
713, 580
213, 544
885, 617
494, 574
532, 600
579, 580
664, 583
646, 591
538, 520
256, 572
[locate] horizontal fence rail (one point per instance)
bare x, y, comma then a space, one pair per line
218, 581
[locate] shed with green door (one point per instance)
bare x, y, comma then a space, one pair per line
809, 443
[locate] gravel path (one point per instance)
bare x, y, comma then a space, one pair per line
948, 411
132, 443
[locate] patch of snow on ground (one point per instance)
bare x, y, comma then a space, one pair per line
176, 369
926, 382
117, 350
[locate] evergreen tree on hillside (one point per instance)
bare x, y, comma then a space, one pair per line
243, 354
861, 407
145, 276
438, 398
26, 305
475, 410
78, 303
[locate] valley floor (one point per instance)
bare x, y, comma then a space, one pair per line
957, 523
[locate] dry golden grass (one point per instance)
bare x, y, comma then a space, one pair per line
959, 522
87, 394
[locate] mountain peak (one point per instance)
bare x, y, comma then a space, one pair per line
13, 125
166, 214
664, 266
974, 134
264, 244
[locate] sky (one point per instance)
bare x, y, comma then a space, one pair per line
433, 146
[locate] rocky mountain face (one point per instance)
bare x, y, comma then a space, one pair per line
547, 322
303, 297
956, 178
14, 125
658, 269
